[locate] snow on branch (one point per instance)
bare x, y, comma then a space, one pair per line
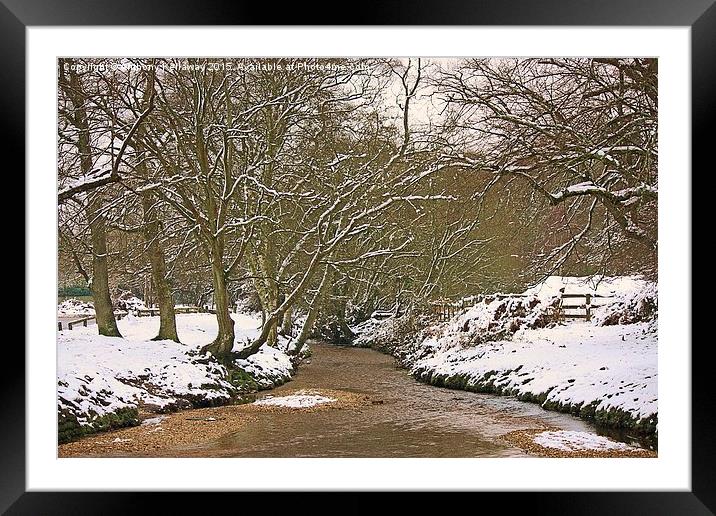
100, 178
620, 196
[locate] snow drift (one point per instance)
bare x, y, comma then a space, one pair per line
103, 381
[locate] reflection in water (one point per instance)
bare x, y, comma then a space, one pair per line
406, 418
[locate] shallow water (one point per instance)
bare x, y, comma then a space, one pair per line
406, 418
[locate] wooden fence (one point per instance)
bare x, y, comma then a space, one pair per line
150, 312
584, 309
84, 320
140, 312
446, 309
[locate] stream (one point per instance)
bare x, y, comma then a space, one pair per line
405, 419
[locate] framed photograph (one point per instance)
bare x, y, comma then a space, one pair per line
447, 249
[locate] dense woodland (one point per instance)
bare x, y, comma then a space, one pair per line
322, 190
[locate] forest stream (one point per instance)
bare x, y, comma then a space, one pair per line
404, 418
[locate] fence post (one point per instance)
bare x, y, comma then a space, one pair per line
588, 306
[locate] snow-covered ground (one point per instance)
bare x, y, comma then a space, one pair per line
609, 286
596, 369
301, 399
577, 366
99, 377
129, 302
74, 307
566, 440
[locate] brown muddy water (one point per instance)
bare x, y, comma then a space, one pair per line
404, 419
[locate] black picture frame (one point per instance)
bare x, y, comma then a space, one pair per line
699, 15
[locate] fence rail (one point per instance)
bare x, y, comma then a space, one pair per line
140, 312
146, 312
187, 309
84, 320
151, 312
445, 309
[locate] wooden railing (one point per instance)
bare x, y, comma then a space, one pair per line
187, 309
84, 320
587, 306
150, 312
446, 309
146, 312
140, 312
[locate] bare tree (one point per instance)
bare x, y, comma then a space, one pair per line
580, 132
73, 108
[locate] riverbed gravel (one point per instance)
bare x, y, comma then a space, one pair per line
525, 439
159, 435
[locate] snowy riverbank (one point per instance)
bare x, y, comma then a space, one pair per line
597, 370
103, 381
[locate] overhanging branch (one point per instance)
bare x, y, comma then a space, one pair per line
108, 176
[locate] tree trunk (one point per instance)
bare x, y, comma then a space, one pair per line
157, 261
313, 312
99, 286
224, 342
106, 324
151, 232
341, 306
343, 325
266, 287
270, 322
273, 318
287, 323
